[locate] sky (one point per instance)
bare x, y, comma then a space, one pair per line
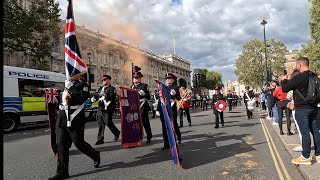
208, 33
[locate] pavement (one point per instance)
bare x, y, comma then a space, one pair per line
239, 150
309, 172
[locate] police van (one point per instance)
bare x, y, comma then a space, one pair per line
24, 97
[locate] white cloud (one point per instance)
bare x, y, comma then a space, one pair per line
210, 33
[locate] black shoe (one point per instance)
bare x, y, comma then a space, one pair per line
189, 124
148, 140
290, 133
222, 125
281, 133
164, 148
59, 177
216, 126
116, 138
96, 163
180, 126
179, 141
99, 142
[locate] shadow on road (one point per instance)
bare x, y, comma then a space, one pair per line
202, 149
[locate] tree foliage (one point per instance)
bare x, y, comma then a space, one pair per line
251, 64
32, 29
312, 48
213, 78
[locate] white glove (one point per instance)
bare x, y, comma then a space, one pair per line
93, 99
65, 96
157, 113
185, 99
68, 84
172, 92
102, 98
142, 93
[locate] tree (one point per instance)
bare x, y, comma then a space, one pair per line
251, 65
213, 78
312, 48
32, 29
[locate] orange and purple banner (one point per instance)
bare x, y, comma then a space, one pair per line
131, 121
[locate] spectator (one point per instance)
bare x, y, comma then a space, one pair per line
273, 103
290, 98
263, 101
306, 113
282, 106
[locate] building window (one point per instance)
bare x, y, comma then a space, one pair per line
7, 60
56, 47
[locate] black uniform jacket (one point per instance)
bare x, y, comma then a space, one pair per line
109, 92
145, 89
79, 93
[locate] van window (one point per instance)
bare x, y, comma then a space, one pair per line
35, 88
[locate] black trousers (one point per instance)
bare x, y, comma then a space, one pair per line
76, 134
318, 118
175, 125
230, 106
187, 110
282, 105
249, 113
204, 105
105, 118
263, 105
146, 123
217, 114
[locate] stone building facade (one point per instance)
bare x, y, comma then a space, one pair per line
112, 57
290, 63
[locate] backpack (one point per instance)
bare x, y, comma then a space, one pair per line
313, 93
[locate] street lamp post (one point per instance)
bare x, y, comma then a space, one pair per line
88, 73
264, 23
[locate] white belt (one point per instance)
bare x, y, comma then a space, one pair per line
173, 101
142, 101
63, 107
74, 114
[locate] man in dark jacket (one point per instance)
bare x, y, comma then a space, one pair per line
106, 96
305, 112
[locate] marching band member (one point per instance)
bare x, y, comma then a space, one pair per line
144, 96
175, 95
106, 96
216, 97
184, 103
70, 126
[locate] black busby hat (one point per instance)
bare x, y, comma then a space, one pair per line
170, 76
182, 82
106, 77
137, 75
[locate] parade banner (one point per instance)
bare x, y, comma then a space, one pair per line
52, 96
165, 96
131, 120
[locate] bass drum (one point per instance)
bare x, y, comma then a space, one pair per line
251, 105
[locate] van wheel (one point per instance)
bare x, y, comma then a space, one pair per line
10, 123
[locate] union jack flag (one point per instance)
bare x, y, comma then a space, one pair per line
74, 63
51, 95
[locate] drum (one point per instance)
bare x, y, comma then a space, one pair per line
220, 105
